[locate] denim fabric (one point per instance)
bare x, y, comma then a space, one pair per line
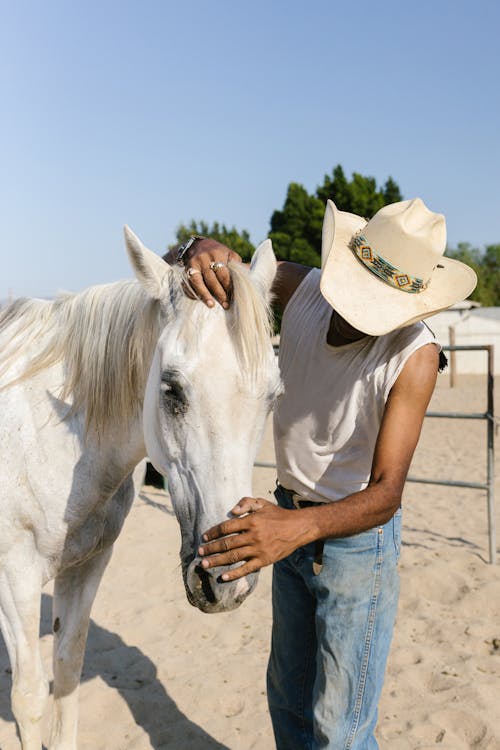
331, 637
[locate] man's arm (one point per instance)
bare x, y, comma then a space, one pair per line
211, 286
288, 278
270, 533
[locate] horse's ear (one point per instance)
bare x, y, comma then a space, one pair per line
263, 267
152, 271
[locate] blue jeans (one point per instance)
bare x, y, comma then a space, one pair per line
331, 637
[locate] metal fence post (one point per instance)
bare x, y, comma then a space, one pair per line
491, 459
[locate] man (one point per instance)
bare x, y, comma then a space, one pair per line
358, 371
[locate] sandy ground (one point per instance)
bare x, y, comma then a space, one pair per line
160, 675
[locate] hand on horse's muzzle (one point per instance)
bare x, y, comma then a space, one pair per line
261, 534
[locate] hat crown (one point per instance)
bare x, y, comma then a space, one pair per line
408, 235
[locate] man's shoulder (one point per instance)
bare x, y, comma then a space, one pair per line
401, 338
414, 350
289, 277
390, 353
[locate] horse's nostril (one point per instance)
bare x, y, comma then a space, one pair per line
204, 577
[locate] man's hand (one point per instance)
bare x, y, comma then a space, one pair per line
266, 533
206, 281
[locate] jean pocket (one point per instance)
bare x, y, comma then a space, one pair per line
396, 526
365, 541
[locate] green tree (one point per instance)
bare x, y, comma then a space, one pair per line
491, 274
486, 264
237, 241
360, 195
391, 191
296, 229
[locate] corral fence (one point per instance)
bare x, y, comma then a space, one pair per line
489, 417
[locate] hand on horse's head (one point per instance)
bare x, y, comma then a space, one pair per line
206, 266
261, 534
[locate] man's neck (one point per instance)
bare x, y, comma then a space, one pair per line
341, 333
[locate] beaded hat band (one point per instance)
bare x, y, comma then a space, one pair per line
383, 269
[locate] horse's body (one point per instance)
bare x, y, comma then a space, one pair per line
90, 384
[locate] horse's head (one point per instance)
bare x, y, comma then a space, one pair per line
212, 383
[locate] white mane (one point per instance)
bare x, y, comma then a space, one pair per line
253, 320
105, 338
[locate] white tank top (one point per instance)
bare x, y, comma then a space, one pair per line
327, 421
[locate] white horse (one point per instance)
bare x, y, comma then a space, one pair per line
89, 385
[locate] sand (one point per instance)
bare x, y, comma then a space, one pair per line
160, 675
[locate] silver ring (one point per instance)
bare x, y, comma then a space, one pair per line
191, 271
214, 265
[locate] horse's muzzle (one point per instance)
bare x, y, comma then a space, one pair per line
206, 590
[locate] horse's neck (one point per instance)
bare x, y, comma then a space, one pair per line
113, 452
120, 450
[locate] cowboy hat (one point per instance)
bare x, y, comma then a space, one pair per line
389, 272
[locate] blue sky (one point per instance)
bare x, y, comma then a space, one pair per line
154, 113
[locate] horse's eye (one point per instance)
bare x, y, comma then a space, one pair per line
171, 389
174, 399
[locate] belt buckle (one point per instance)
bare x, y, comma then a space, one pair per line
296, 500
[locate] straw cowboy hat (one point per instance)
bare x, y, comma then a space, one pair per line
390, 271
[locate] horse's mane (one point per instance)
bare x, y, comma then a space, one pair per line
105, 338
252, 320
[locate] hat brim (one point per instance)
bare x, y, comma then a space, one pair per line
365, 301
